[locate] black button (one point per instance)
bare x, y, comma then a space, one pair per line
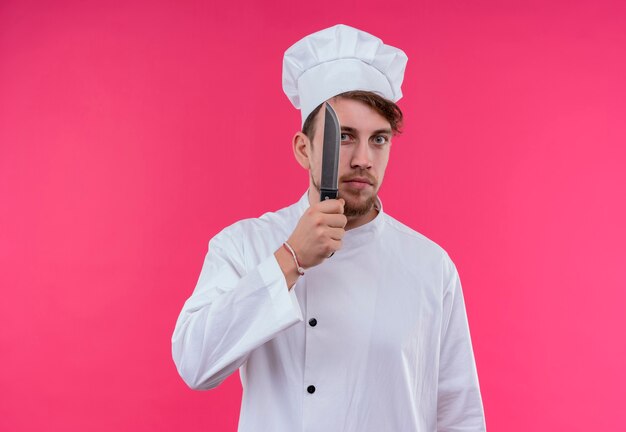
311, 389
312, 322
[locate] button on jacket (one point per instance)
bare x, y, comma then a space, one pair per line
373, 339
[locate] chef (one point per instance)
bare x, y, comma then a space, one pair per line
338, 317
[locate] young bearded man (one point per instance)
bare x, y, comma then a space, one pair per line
339, 317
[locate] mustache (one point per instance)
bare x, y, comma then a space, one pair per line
362, 175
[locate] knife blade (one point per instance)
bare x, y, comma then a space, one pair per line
330, 155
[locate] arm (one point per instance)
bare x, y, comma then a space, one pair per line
231, 312
234, 310
459, 404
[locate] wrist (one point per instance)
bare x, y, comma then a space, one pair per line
287, 265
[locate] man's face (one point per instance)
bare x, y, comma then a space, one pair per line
365, 145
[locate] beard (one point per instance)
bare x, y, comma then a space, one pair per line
355, 205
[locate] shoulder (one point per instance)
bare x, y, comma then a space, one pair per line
408, 235
416, 244
419, 254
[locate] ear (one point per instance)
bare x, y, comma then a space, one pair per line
301, 150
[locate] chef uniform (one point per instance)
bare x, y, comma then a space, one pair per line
373, 339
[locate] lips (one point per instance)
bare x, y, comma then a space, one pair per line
359, 180
358, 183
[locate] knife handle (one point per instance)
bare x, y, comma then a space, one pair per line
328, 194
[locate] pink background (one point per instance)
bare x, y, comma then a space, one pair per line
131, 134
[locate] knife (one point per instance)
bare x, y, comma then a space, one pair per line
330, 155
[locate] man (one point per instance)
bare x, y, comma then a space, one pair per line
339, 317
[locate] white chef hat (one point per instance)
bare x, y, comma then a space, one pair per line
340, 59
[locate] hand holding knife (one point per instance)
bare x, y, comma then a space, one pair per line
309, 246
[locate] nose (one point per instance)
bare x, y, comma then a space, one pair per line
361, 157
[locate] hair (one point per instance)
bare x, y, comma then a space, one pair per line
389, 110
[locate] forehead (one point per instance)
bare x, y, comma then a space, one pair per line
358, 115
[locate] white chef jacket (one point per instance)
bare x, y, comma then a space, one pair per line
374, 339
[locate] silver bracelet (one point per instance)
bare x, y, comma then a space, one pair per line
295, 258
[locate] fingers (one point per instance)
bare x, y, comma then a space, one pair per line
319, 232
335, 220
336, 233
328, 214
331, 212
335, 206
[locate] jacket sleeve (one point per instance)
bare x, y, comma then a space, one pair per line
459, 403
232, 311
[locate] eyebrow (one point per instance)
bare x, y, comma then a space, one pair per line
376, 132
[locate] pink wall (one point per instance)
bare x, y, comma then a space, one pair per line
131, 134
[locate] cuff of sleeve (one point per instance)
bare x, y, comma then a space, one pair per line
284, 299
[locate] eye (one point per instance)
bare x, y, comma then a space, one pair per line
345, 137
380, 139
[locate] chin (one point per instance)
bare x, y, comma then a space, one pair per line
357, 206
